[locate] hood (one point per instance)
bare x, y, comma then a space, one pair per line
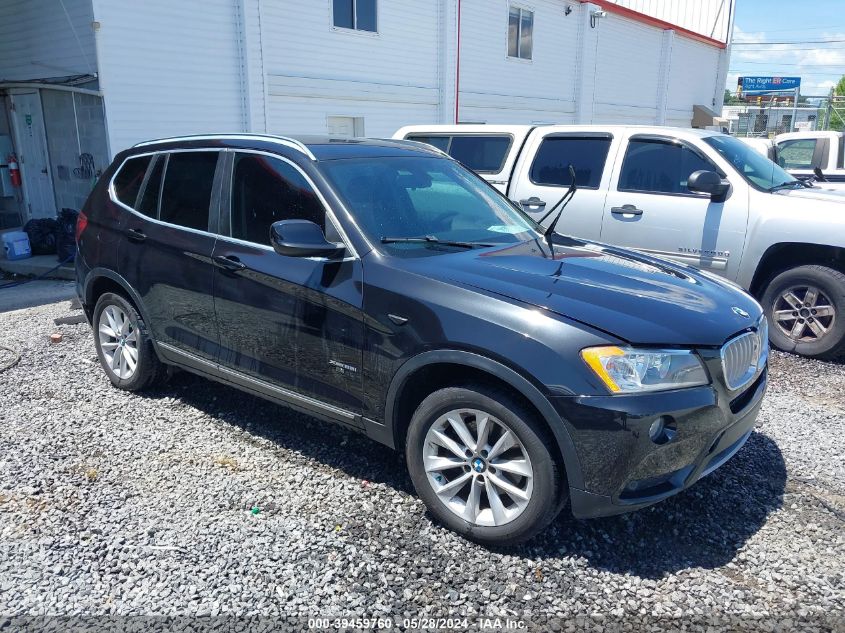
637, 298
818, 192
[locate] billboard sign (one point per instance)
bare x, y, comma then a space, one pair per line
768, 88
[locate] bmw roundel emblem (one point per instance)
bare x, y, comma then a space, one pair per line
478, 465
740, 312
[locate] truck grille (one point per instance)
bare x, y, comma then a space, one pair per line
745, 356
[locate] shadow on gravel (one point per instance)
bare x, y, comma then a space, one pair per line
703, 526
327, 443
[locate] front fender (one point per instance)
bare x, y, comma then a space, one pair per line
500, 371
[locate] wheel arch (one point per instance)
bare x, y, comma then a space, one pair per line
785, 255
432, 370
102, 280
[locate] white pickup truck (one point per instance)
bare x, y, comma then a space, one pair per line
694, 196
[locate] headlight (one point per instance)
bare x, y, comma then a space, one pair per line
630, 370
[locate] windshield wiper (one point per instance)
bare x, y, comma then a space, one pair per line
784, 185
431, 239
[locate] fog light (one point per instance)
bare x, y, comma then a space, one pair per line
655, 431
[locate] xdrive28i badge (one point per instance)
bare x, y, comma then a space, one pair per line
740, 312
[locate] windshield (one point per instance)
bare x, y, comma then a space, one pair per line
425, 197
758, 170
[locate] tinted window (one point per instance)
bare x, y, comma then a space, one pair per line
266, 190
556, 153
482, 153
797, 154
659, 167
127, 182
342, 12
425, 196
186, 195
148, 204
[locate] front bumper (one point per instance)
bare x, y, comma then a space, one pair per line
623, 469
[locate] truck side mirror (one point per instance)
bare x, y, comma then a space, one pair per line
703, 181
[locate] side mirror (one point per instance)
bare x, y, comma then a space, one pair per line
703, 181
302, 238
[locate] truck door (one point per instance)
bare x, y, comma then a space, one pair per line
541, 177
650, 208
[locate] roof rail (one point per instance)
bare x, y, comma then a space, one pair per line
420, 144
282, 140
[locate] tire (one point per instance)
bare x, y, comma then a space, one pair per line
790, 289
148, 368
511, 524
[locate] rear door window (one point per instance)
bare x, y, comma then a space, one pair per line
657, 166
148, 203
130, 177
186, 194
587, 155
482, 153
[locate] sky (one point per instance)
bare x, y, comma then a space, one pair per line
819, 65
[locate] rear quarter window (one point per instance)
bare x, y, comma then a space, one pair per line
587, 155
129, 178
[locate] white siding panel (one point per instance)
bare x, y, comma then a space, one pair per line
170, 68
627, 73
496, 88
390, 78
692, 75
307, 115
38, 40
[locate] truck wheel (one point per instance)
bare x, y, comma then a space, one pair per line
806, 311
480, 462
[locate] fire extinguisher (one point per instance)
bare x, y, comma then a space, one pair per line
14, 171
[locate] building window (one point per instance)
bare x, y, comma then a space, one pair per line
520, 33
359, 15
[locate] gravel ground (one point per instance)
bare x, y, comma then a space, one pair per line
196, 499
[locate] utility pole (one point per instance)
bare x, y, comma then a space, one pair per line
794, 110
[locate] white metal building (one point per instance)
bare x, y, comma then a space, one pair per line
84, 79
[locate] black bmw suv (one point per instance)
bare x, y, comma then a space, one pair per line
380, 285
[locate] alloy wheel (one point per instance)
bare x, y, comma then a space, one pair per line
478, 467
118, 341
804, 313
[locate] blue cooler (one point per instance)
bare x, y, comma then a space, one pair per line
16, 245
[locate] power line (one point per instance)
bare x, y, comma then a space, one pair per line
736, 43
789, 64
794, 48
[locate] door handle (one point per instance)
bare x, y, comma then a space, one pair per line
626, 209
229, 262
135, 235
533, 201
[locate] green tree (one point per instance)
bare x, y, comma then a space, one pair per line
838, 113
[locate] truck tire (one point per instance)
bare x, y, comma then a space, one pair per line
806, 311
480, 461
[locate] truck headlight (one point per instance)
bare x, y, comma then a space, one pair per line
631, 370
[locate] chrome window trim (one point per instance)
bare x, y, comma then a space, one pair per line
114, 199
281, 140
330, 215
